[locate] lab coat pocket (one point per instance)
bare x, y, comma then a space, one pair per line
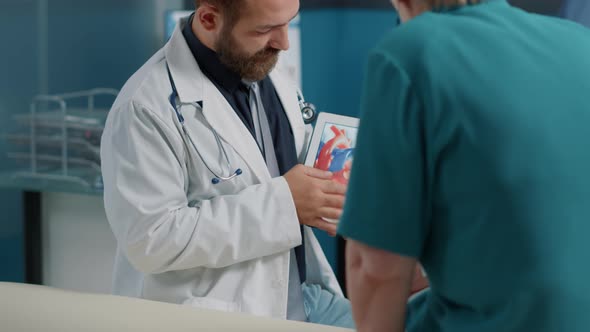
212, 304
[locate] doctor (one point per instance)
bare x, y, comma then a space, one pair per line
203, 190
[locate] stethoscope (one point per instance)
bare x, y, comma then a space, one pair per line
308, 112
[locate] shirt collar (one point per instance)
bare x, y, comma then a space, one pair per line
209, 61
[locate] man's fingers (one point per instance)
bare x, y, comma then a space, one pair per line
333, 187
326, 227
330, 213
335, 201
318, 173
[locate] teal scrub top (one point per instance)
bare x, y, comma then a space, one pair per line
473, 156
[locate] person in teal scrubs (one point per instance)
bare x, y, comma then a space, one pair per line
473, 159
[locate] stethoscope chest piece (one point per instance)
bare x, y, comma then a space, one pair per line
308, 113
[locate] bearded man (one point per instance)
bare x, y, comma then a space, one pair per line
204, 189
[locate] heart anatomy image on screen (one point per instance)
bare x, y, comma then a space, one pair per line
336, 150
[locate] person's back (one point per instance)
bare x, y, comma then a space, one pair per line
505, 109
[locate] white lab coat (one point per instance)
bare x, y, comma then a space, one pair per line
182, 239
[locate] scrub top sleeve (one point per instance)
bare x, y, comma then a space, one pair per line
386, 205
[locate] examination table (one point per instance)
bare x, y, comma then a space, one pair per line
39, 309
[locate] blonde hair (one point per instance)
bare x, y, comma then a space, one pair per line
449, 3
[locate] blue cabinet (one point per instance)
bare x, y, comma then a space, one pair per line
12, 266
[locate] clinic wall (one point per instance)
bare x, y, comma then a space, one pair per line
335, 44
56, 46
18, 82
98, 43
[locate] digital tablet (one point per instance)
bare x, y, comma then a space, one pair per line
332, 146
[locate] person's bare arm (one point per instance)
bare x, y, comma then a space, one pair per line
379, 284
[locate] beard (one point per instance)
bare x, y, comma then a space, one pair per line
250, 67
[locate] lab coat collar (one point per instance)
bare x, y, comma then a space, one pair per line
209, 61
184, 69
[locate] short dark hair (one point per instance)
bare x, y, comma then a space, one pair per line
229, 8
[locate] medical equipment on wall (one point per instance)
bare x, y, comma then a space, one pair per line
61, 142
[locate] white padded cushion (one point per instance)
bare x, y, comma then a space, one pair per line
40, 309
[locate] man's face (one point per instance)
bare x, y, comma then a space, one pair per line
252, 45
